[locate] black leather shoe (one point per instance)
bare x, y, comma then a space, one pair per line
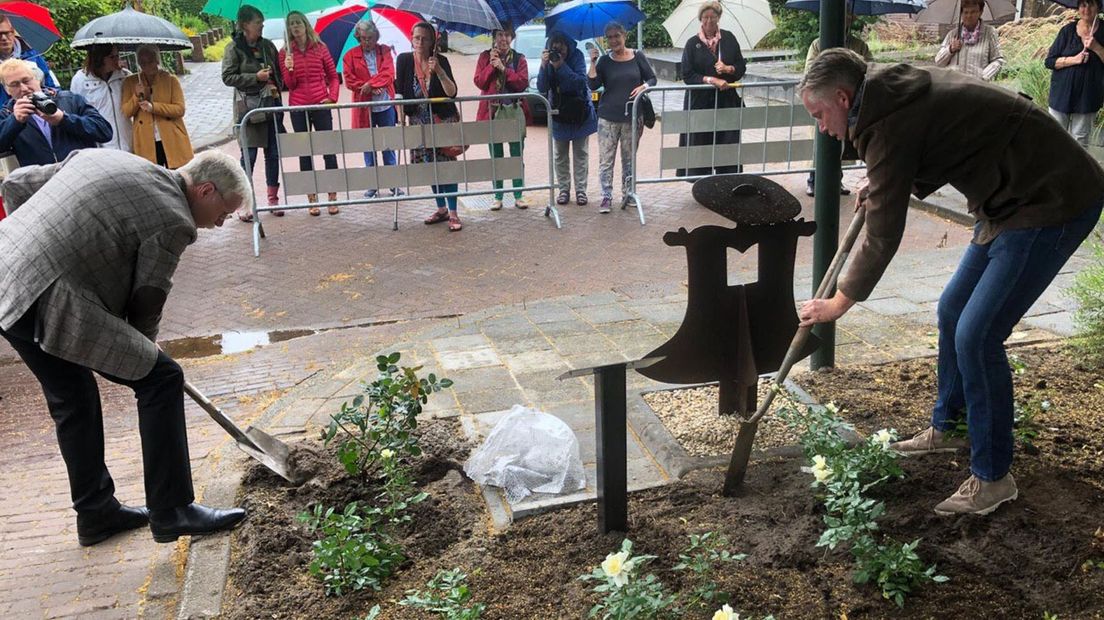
171, 523
844, 191
96, 529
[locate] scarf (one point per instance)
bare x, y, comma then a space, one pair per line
710, 42
507, 61
971, 37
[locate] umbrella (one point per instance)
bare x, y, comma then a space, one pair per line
270, 8
950, 11
585, 19
749, 20
336, 29
33, 23
864, 7
130, 28
513, 12
466, 12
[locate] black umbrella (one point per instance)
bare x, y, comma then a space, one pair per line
130, 28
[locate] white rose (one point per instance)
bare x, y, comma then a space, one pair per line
725, 613
617, 567
387, 454
883, 438
820, 470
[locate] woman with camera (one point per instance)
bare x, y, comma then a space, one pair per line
425, 74
501, 69
562, 79
247, 67
100, 82
154, 100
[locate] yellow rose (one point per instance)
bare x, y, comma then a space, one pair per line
617, 567
725, 613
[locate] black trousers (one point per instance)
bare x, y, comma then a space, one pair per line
73, 399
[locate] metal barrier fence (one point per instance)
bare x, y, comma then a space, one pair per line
400, 138
776, 133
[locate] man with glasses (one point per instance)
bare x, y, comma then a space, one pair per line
36, 135
87, 257
13, 46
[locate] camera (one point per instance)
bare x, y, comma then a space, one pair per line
554, 55
44, 104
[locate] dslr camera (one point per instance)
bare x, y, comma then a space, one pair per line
554, 55
43, 103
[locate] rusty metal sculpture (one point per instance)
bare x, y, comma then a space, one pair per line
733, 334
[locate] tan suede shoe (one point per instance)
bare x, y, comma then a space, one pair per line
978, 497
929, 441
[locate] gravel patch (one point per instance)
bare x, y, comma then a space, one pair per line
690, 414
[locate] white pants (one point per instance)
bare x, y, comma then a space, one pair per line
1079, 125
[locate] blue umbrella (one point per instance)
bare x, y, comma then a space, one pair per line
514, 12
864, 7
586, 19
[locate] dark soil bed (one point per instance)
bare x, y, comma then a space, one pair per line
1017, 563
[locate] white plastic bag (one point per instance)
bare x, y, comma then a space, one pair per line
528, 451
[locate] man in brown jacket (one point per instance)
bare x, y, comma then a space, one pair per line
1035, 193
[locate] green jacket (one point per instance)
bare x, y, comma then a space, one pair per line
239, 71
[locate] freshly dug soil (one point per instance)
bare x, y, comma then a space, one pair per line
1024, 559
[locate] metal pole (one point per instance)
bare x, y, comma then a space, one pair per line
640, 27
609, 418
827, 199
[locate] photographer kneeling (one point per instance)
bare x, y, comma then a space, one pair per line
43, 127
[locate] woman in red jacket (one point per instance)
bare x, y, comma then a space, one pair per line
370, 75
503, 70
311, 78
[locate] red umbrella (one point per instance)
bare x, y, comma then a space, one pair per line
336, 28
33, 22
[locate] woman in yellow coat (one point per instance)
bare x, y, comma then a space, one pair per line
154, 100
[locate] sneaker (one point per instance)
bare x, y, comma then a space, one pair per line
521, 203
606, 204
563, 197
628, 201
581, 198
395, 191
496, 205
810, 188
372, 193
929, 441
978, 497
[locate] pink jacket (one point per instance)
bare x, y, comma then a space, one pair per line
486, 80
315, 77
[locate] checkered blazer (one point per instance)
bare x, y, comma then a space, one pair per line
95, 239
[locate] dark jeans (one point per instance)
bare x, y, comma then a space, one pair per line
271, 155
319, 120
384, 118
993, 287
74, 403
160, 150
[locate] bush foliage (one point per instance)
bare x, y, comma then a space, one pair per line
1088, 290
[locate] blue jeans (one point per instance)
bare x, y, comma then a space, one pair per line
384, 118
993, 287
443, 189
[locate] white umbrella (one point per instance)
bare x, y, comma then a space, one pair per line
949, 11
749, 20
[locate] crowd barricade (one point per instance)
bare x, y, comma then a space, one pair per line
776, 134
352, 181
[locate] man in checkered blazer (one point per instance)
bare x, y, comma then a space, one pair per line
87, 256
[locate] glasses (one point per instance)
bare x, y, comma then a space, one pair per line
7, 34
27, 81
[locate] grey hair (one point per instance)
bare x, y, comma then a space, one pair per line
836, 67
11, 64
614, 27
712, 5
224, 172
148, 49
366, 27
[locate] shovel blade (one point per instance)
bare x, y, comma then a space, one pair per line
272, 453
741, 454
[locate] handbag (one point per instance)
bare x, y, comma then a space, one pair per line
511, 111
245, 102
570, 110
452, 151
644, 108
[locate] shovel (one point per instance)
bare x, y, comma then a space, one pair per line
266, 449
741, 452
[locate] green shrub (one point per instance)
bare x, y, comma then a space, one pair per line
213, 53
70, 15
1088, 290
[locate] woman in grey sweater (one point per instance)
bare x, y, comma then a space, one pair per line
623, 73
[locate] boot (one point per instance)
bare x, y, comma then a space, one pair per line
274, 199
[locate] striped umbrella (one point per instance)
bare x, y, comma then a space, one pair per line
513, 12
468, 12
33, 22
337, 29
